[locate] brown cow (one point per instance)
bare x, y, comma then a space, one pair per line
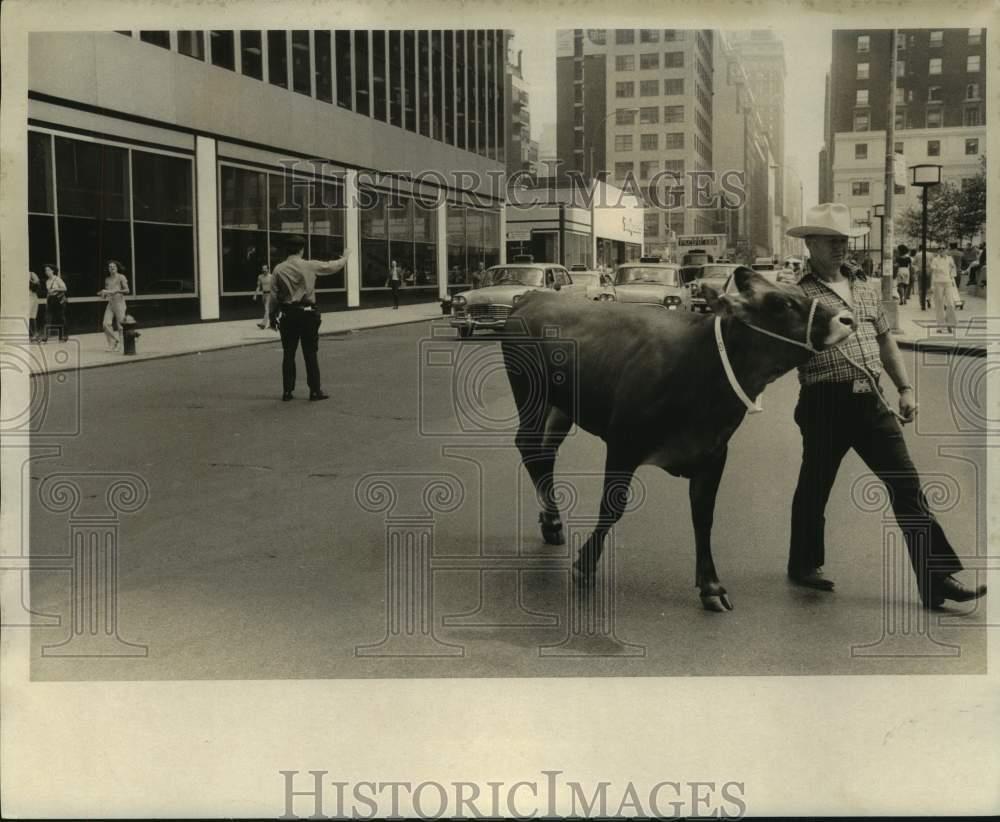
653, 385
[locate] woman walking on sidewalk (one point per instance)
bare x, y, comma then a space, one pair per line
903, 274
942, 280
114, 291
55, 315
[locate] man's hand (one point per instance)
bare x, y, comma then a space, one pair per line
907, 405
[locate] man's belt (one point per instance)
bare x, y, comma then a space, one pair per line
299, 305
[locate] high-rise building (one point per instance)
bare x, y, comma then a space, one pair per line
940, 109
190, 156
637, 104
520, 154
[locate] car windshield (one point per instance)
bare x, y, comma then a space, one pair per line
661, 275
513, 275
585, 278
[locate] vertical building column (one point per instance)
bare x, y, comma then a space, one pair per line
442, 248
352, 238
503, 233
207, 186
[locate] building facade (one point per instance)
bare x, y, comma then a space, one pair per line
637, 104
940, 111
190, 156
522, 151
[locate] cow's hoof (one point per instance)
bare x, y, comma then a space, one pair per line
716, 601
552, 530
582, 577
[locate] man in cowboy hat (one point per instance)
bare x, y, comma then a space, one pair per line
841, 407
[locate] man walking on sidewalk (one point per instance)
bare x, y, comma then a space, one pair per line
840, 407
293, 294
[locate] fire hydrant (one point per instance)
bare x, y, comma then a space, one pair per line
129, 334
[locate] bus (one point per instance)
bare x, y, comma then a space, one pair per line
713, 244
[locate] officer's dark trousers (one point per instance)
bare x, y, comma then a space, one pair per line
833, 419
300, 326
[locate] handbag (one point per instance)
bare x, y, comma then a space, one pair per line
956, 298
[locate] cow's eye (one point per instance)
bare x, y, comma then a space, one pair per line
775, 303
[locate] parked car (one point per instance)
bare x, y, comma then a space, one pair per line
502, 286
720, 277
593, 285
650, 282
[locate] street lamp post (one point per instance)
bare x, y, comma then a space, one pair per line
925, 176
879, 214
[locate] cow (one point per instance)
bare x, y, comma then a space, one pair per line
660, 387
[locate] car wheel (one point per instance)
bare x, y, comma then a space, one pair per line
465, 331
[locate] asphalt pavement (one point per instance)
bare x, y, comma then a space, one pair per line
390, 531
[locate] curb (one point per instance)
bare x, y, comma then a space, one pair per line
222, 347
962, 349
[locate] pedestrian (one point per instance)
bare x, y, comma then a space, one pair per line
478, 275
55, 303
867, 266
956, 257
263, 290
903, 271
114, 291
34, 289
394, 281
841, 406
943, 280
969, 257
293, 290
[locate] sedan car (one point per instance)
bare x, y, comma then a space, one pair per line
489, 305
653, 283
593, 285
719, 277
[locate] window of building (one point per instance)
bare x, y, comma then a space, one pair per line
649, 88
936, 39
449, 91
972, 63
623, 62
971, 116
860, 188
651, 223
622, 170
673, 114
625, 89
324, 66
673, 87
677, 222
301, 71
649, 114
623, 142
935, 66
361, 91
648, 168
345, 85
375, 241
862, 71
674, 140
461, 93
900, 68
396, 80
861, 97
649, 61
649, 142
934, 117
437, 83
423, 77
972, 91
902, 119
861, 151
157, 38
900, 96
624, 116
897, 147
41, 203
673, 35
675, 167
975, 37
191, 43
624, 37
223, 44
861, 121
864, 43
673, 59
277, 58
252, 54
934, 94
972, 145
649, 35
933, 148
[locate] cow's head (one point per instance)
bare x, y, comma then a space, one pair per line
780, 309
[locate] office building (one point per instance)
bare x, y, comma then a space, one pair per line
522, 151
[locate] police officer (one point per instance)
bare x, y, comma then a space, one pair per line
293, 297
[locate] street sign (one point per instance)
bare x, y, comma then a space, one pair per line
518, 235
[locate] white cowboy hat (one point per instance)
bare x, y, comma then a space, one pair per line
829, 219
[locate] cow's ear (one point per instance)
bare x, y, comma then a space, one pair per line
712, 298
746, 278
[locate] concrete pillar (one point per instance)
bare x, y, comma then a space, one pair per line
442, 248
352, 239
207, 209
503, 234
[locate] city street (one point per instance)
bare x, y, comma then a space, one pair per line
258, 554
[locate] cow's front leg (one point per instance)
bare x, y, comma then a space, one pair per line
702, 489
617, 480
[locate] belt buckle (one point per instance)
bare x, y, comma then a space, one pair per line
861, 387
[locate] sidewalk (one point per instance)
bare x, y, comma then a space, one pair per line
918, 329
88, 350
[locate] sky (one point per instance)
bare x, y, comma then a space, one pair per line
807, 58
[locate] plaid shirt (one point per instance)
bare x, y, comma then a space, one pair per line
861, 346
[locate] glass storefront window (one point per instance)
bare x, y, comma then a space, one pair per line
252, 54
361, 72
39, 173
374, 239
191, 43
163, 228
395, 80
277, 58
223, 49
577, 249
243, 201
345, 85
378, 74
458, 272
324, 66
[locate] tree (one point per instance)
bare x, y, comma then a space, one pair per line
972, 206
953, 214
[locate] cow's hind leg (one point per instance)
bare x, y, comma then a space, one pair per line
538, 447
702, 489
617, 480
